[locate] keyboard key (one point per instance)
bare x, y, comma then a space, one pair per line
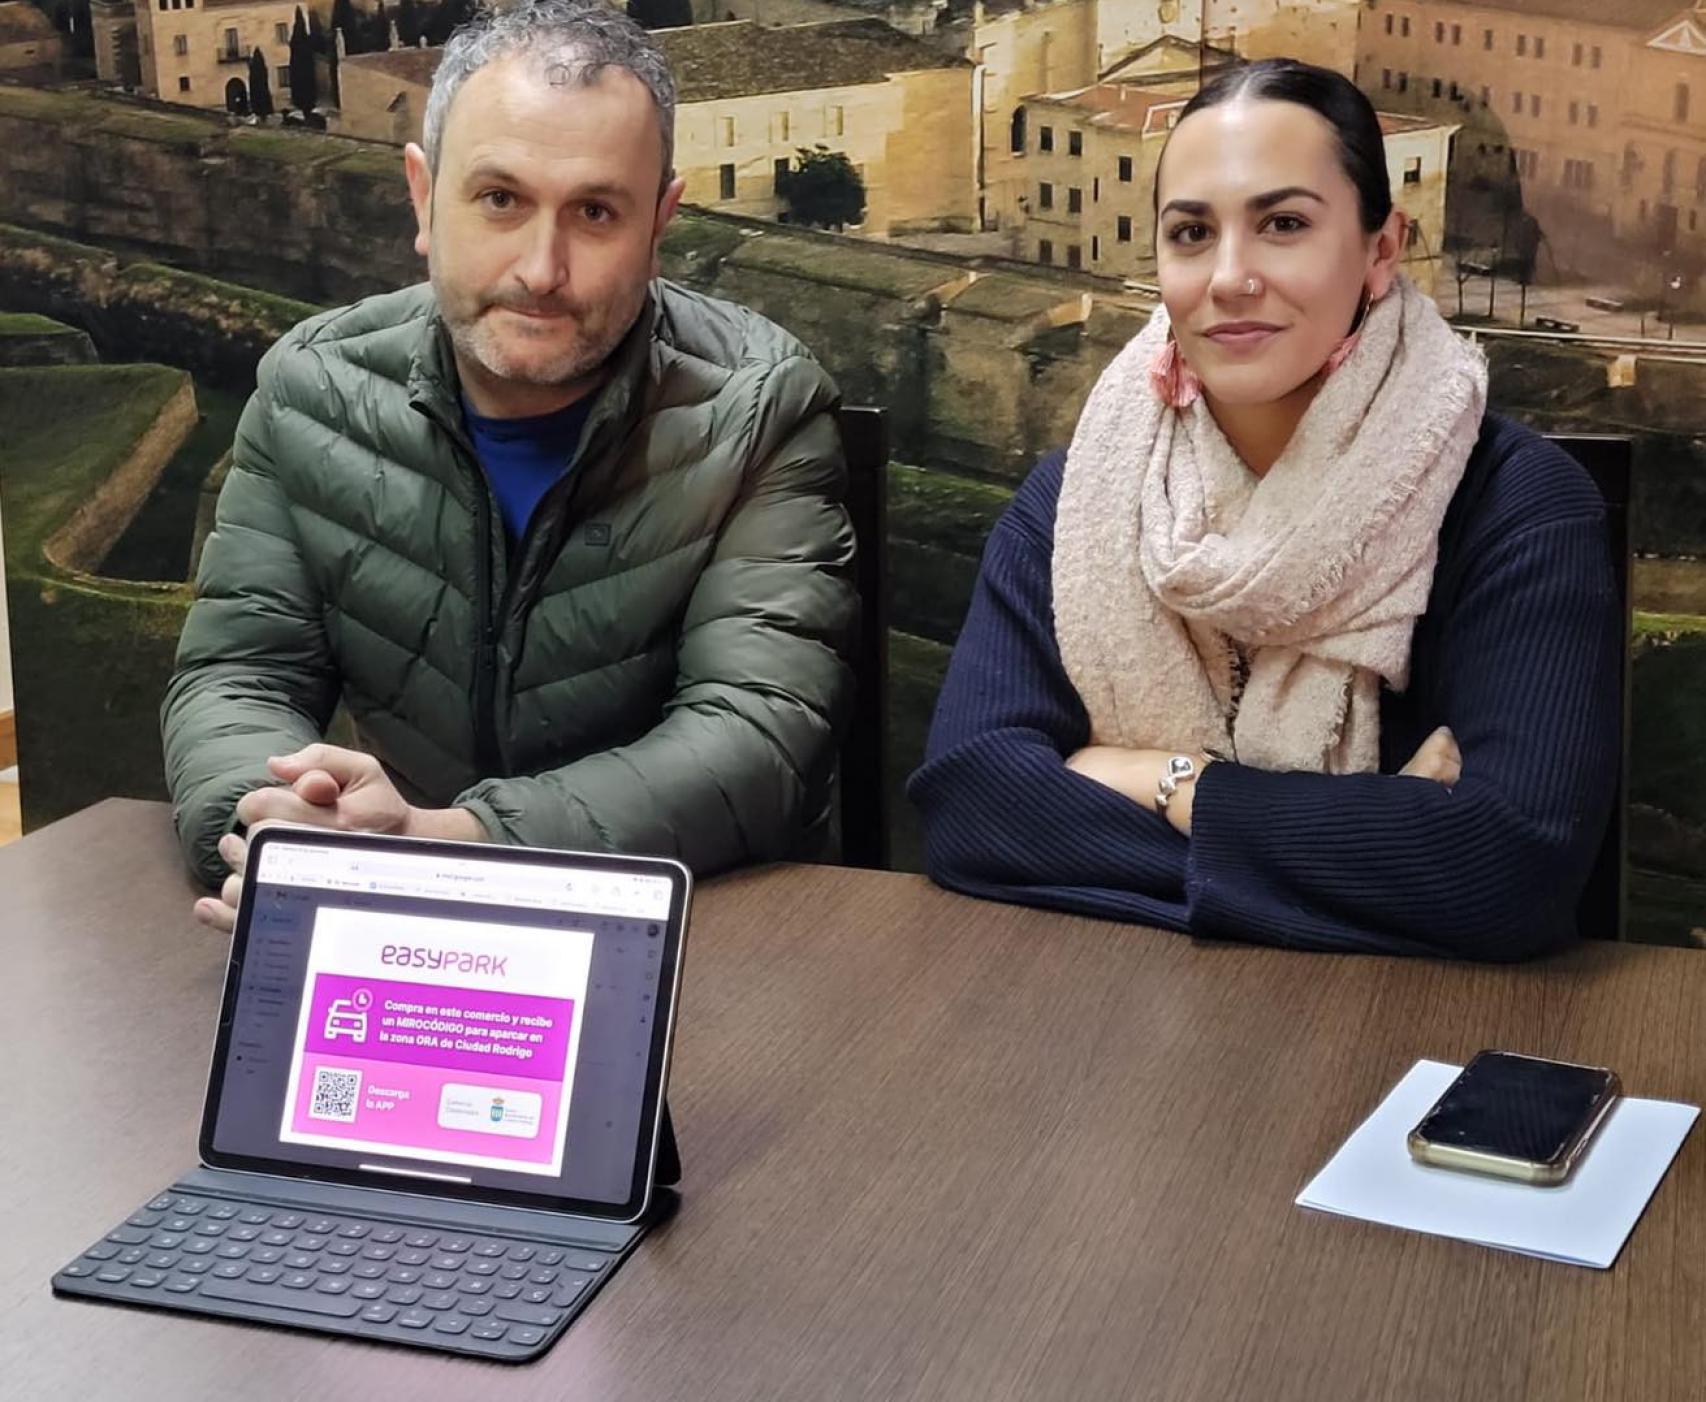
337, 1285
179, 1223
489, 1329
526, 1314
208, 1227
299, 1261
132, 1256
526, 1336
378, 1253
222, 1211
183, 1284
128, 1236
160, 1204
586, 1261
101, 1251
387, 1235
379, 1314
475, 1306
473, 1285
242, 1233
256, 1217
514, 1272
506, 1290
113, 1275
446, 1263
277, 1238
266, 1255
403, 1294
334, 1266
311, 1241
265, 1275
196, 1265
523, 1252
77, 1269
543, 1277
456, 1243
422, 1240
536, 1295
354, 1231
308, 1301
289, 1222
320, 1226
437, 1300
232, 1251
482, 1268
166, 1241
490, 1248
296, 1280
143, 1218
415, 1319
568, 1290
439, 1280
199, 1246
413, 1256
343, 1248
369, 1270
403, 1275
551, 1257
451, 1324
147, 1280
187, 1207
369, 1290
231, 1270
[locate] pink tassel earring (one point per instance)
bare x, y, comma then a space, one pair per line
1343, 351
1175, 384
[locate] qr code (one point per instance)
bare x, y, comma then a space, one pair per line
335, 1094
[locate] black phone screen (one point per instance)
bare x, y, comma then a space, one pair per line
1519, 1107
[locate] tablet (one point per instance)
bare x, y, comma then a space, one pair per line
455, 1019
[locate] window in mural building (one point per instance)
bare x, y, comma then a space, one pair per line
1551, 155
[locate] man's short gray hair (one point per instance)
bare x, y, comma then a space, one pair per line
572, 41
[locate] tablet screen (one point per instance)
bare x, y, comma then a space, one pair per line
430, 1016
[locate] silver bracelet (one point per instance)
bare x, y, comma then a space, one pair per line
1181, 769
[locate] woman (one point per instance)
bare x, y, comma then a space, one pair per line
1298, 644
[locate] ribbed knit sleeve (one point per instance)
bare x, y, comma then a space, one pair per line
1004, 818
1491, 868
1518, 655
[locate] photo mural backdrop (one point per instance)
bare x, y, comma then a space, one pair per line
950, 203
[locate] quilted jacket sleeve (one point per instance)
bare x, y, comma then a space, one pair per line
254, 675
743, 760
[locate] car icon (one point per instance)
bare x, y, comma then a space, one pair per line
345, 1019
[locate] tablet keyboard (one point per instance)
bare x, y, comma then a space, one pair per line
497, 1297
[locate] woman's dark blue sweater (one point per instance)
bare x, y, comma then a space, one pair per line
1517, 653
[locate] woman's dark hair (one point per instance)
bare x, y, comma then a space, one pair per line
1331, 96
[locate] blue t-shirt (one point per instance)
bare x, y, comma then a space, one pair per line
522, 458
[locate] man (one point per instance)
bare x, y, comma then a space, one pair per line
565, 539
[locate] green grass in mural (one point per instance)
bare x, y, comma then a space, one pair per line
175, 287
303, 148
63, 430
157, 544
29, 324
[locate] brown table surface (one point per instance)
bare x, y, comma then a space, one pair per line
934, 1148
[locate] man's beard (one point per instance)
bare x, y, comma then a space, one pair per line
478, 340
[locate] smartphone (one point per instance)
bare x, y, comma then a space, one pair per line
1516, 1116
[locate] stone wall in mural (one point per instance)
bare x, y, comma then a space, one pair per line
1562, 160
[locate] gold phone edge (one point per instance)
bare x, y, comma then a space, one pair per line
1547, 1175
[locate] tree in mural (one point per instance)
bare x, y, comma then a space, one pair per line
823, 190
661, 14
304, 79
446, 16
260, 87
410, 21
347, 20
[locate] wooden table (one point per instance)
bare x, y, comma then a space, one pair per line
934, 1149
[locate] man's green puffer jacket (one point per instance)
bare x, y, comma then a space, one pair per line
659, 666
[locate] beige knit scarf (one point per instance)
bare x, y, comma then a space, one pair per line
1168, 550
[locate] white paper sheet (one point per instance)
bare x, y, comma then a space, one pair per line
1584, 1222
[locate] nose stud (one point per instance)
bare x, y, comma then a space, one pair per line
1251, 286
